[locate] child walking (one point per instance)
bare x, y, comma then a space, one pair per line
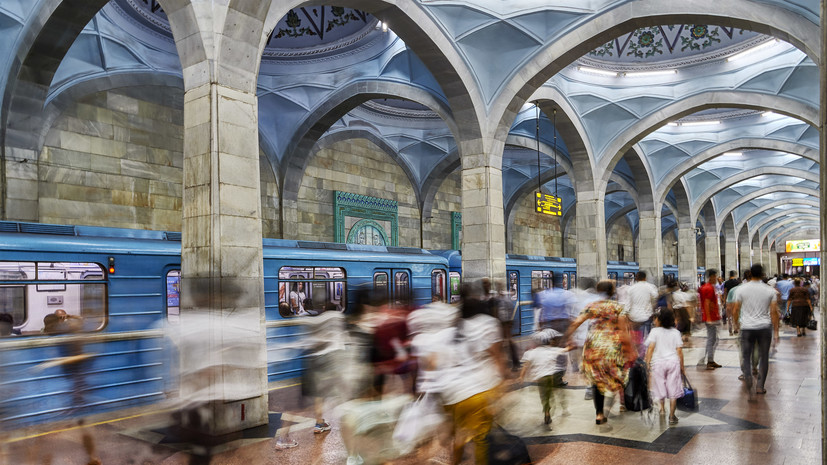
664, 357
546, 364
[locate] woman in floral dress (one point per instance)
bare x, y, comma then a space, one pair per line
608, 346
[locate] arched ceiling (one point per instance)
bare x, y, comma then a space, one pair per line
317, 57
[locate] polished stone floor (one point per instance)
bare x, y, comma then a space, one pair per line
781, 427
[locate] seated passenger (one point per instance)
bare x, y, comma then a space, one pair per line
6, 325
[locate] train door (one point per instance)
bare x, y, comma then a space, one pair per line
393, 284
439, 286
454, 285
173, 295
514, 301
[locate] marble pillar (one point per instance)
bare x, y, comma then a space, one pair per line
687, 255
590, 223
483, 223
223, 355
650, 242
713, 252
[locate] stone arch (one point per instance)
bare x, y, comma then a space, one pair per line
411, 23
571, 130
793, 212
681, 170
431, 184
316, 123
761, 192
791, 172
698, 102
785, 233
777, 229
36, 62
776, 204
330, 139
764, 18
528, 185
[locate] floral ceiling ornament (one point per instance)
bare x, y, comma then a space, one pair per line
672, 41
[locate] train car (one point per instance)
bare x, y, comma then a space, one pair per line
330, 274
116, 289
102, 293
623, 273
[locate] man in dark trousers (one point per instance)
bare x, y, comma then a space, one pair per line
728, 285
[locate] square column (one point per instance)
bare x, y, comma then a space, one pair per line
590, 221
483, 223
687, 255
713, 252
730, 257
767, 260
650, 239
745, 257
223, 349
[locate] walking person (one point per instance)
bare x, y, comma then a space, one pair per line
608, 347
756, 313
664, 357
801, 308
545, 364
640, 300
711, 316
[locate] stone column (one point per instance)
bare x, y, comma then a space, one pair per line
650, 246
223, 358
289, 219
687, 255
713, 252
773, 263
730, 256
745, 256
766, 259
483, 223
590, 224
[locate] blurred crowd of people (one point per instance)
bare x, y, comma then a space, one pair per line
455, 361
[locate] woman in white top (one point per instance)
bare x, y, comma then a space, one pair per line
297, 297
664, 357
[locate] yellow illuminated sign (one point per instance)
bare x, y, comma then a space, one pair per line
549, 204
812, 245
798, 262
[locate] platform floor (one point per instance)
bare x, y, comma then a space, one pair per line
781, 427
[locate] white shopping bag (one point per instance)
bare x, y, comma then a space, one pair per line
418, 421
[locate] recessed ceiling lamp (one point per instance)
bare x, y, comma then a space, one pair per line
752, 50
661, 72
767, 113
600, 72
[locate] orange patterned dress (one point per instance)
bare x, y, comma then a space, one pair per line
604, 363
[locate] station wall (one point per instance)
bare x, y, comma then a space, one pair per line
533, 233
620, 234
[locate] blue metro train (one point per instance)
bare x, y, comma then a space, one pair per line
116, 290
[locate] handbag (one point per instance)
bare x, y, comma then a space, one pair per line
689, 401
812, 325
417, 422
636, 392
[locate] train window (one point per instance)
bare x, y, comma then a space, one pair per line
174, 296
53, 297
311, 290
573, 280
513, 285
542, 279
438, 293
455, 282
401, 286
380, 285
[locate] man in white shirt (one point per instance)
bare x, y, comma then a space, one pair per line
756, 313
640, 300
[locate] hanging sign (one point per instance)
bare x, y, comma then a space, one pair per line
549, 204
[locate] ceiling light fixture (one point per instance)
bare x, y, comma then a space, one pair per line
673, 124
752, 50
384, 26
699, 123
734, 154
767, 113
662, 72
601, 72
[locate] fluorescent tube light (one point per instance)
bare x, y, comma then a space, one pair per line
662, 72
601, 72
752, 50
699, 123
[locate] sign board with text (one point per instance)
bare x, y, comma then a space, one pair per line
548, 204
810, 245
